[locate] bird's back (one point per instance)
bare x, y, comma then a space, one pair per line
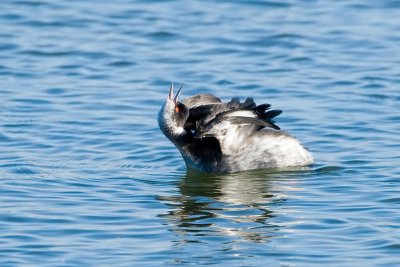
237, 136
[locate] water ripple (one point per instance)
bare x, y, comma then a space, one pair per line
88, 179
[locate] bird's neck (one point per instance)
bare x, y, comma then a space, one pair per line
200, 154
181, 138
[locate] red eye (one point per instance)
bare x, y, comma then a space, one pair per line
176, 109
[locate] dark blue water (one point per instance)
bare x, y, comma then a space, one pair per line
87, 178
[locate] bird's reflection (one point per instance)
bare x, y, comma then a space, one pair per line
231, 205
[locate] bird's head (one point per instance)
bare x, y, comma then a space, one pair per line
173, 115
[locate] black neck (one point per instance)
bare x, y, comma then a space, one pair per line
203, 151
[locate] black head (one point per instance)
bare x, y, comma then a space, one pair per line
181, 114
173, 115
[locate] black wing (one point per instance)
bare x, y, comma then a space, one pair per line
208, 107
203, 117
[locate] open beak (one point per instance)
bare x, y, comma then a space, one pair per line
171, 93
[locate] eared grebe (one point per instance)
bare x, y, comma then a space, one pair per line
218, 137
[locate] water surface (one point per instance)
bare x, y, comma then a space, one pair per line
87, 178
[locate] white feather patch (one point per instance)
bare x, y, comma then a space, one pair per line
241, 113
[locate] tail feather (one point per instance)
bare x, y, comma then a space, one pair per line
236, 104
272, 114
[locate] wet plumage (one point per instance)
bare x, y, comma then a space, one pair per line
234, 136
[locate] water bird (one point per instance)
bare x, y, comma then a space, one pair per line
229, 137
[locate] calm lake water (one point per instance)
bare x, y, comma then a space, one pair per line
88, 179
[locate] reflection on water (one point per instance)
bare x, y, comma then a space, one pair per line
234, 205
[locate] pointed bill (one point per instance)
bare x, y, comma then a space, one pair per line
178, 93
171, 91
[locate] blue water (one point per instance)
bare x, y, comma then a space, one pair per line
87, 178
